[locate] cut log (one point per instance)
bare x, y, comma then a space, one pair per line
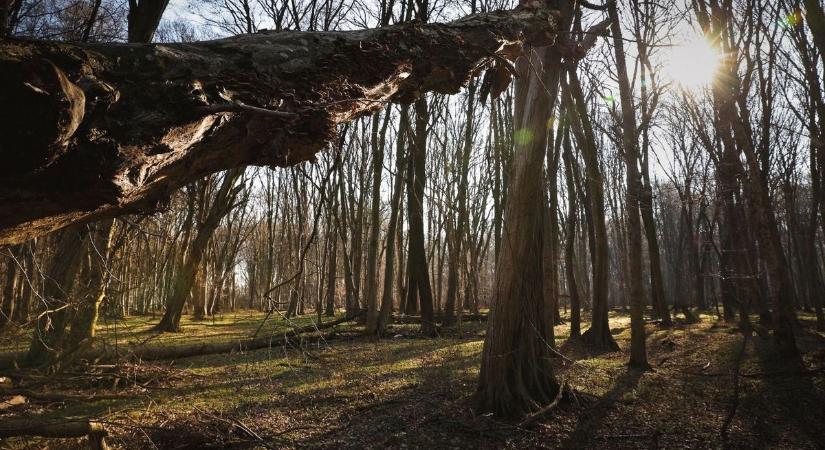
89, 131
95, 431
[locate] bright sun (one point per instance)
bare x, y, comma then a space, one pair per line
693, 64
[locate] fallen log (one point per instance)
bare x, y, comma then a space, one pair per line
154, 353
406, 319
28, 427
89, 131
61, 396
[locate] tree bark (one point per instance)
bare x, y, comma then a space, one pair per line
101, 130
630, 144
58, 283
516, 376
377, 143
598, 335
7, 294
7, 8
144, 18
185, 279
418, 266
385, 315
570, 238
456, 255
332, 265
86, 312
95, 431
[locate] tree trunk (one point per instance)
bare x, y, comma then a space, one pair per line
551, 243
332, 266
8, 300
185, 279
570, 239
392, 231
377, 144
418, 266
21, 312
733, 120
461, 223
144, 18
58, 283
598, 335
516, 376
7, 8
86, 314
630, 144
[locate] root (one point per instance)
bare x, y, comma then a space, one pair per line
599, 342
543, 411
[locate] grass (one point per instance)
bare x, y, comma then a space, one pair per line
137, 330
411, 392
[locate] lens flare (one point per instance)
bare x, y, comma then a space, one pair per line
693, 65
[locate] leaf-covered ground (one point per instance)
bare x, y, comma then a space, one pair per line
406, 391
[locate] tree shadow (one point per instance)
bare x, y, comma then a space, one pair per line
585, 435
796, 411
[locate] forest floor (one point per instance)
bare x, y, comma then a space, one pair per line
341, 390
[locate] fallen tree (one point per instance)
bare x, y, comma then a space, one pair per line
89, 131
94, 431
157, 352
406, 319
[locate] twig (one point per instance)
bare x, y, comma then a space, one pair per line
241, 426
735, 400
538, 414
237, 106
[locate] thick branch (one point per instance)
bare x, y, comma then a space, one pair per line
92, 131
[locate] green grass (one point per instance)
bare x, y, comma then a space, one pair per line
137, 330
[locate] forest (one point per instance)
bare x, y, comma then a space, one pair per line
347, 224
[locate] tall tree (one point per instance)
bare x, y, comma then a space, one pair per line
144, 18
7, 10
630, 144
516, 376
377, 141
393, 227
733, 118
598, 335
212, 213
570, 236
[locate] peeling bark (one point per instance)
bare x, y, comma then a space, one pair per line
100, 130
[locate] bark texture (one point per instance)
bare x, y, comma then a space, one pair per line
101, 130
516, 376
